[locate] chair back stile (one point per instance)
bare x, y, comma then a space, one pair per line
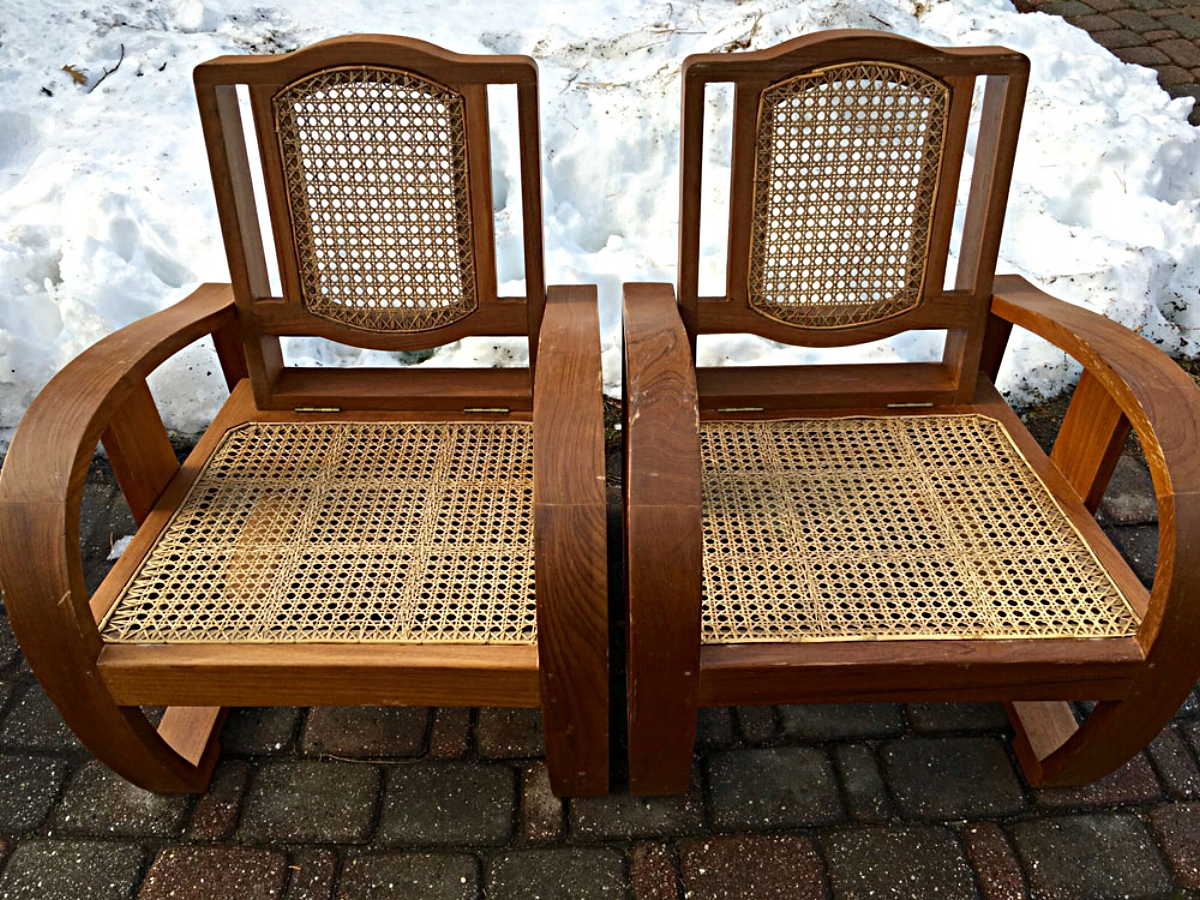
375, 157
847, 152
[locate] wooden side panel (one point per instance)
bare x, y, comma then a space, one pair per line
229, 163
321, 674
570, 536
663, 541
139, 451
1091, 440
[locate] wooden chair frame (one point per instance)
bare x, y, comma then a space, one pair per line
102, 396
1127, 383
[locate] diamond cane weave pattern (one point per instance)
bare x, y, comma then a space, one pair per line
376, 171
346, 532
845, 175
910, 527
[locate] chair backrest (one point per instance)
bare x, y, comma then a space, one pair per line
847, 152
375, 155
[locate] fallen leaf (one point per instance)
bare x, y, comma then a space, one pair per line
76, 76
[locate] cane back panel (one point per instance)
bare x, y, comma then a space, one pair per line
846, 171
377, 189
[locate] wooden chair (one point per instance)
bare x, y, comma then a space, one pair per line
886, 532
338, 536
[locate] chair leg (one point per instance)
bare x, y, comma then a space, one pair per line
176, 758
662, 578
1055, 751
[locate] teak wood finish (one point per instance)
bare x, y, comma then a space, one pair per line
1127, 384
102, 396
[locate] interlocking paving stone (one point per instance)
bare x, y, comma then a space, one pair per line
929, 718
310, 801
450, 737
8, 643
1095, 22
1135, 20
994, 862
757, 723
260, 731
29, 786
456, 803
566, 874
835, 721
1172, 75
900, 863
865, 793
216, 812
1176, 768
1142, 56
71, 870
1178, 829
1139, 545
952, 778
618, 816
1185, 26
1065, 8
1132, 783
777, 787
215, 873
313, 872
1121, 37
1181, 51
652, 873
369, 731
768, 867
1090, 857
410, 876
541, 811
509, 733
100, 802
33, 723
714, 727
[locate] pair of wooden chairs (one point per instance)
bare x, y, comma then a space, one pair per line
437, 536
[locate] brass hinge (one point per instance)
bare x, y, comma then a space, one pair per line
910, 405
317, 409
740, 409
486, 409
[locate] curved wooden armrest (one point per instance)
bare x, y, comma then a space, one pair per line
570, 559
663, 540
1162, 404
94, 396
662, 437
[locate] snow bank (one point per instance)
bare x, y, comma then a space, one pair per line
106, 211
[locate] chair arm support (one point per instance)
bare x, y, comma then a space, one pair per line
44, 472
1162, 404
663, 539
570, 561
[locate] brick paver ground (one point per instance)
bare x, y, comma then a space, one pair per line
878, 800
1163, 35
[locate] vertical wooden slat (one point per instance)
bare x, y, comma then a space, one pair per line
1091, 439
691, 173
531, 213
479, 175
139, 451
234, 189
741, 189
261, 102
995, 148
962, 89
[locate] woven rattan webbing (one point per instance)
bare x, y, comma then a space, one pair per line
856, 529
375, 165
346, 532
845, 175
